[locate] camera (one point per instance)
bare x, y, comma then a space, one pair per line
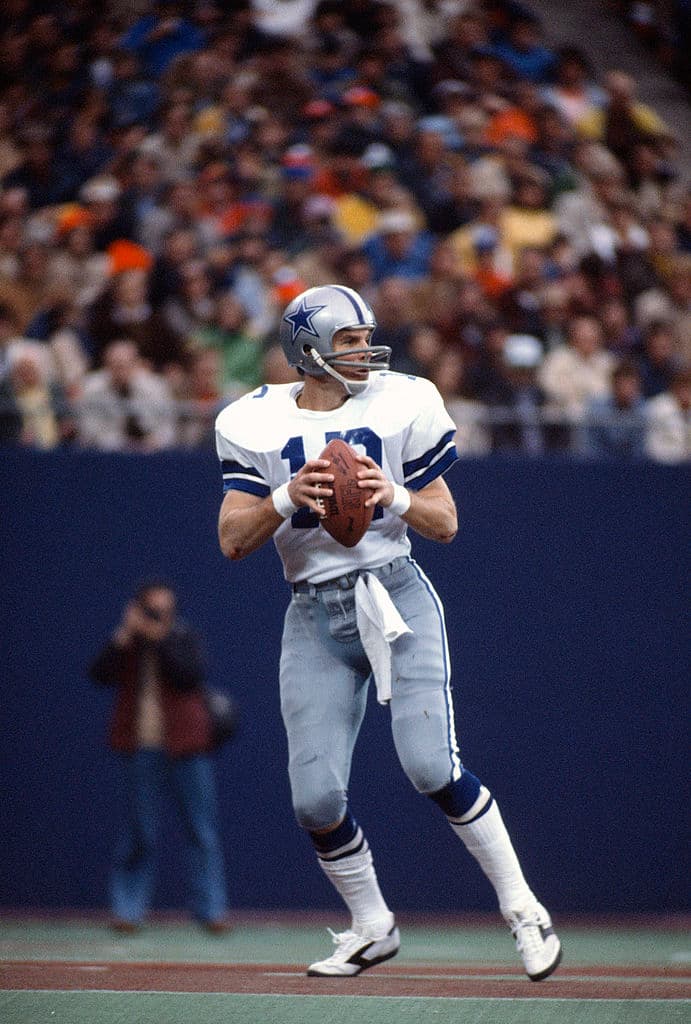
151, 613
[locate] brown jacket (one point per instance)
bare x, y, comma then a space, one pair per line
186, 721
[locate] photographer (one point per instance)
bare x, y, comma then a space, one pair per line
162, 731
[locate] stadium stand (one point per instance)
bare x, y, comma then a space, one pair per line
172, 174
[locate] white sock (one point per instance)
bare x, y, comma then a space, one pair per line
484, 834
355, 880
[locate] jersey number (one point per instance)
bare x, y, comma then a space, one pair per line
294, 452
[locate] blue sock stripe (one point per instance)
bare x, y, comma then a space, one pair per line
458, 796
329, 842
358, 845
483, 810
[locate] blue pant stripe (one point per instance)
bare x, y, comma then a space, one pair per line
456, 767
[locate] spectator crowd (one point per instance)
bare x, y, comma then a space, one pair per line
172, 174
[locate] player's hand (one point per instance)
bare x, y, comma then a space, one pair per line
310, 485
372, 476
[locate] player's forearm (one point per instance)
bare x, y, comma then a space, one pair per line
242, 530
434, 517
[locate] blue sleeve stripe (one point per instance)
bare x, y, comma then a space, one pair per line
230, 466
237, 477
237, 482
417, 466
440, 465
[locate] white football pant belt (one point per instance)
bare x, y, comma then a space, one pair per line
379, 624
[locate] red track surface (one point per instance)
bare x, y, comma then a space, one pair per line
592, 982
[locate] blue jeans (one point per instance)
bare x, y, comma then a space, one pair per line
133, 875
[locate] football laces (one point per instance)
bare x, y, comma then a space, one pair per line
320, 503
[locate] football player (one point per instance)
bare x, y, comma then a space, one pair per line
269, 444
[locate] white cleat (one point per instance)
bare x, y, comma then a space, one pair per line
536, 941
355, 953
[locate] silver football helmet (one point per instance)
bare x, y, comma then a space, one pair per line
309, 324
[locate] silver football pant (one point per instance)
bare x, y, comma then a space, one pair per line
324, 678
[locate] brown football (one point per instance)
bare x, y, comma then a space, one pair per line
346, 517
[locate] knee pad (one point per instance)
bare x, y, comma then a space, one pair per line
426, 770
321, 812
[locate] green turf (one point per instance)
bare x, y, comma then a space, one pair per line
184, 1008
254, 941
279, 943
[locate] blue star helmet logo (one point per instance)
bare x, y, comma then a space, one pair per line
301, 320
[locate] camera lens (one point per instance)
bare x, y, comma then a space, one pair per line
152, 613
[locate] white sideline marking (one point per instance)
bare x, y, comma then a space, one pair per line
586, 978
292, 995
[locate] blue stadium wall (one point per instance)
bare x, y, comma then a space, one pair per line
564, 596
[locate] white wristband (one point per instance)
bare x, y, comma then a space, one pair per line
282, 501
401, 500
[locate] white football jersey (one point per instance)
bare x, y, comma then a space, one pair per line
264, 438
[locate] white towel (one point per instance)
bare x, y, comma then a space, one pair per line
379, 624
